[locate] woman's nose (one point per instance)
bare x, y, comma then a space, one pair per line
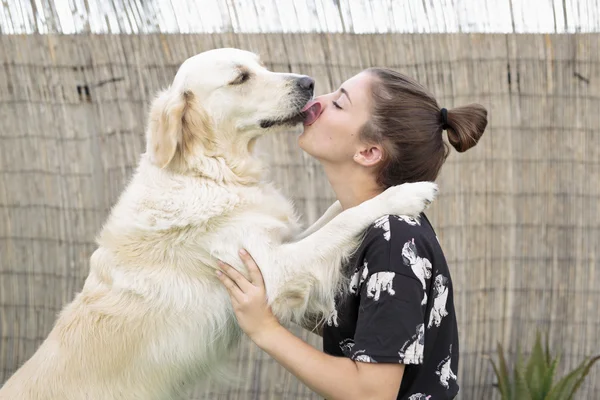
323, 98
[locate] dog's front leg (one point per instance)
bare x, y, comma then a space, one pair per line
312, 266
334, 210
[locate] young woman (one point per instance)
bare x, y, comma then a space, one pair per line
395, 334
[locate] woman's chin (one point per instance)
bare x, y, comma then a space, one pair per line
306, 129
302, 141
304, 144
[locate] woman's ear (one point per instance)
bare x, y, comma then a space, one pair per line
369, 156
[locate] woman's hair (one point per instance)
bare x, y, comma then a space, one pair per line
408, 122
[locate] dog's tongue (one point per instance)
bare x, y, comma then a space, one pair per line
312, 110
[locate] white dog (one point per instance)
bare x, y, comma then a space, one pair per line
420, 266
359, 276
419, 396
412, 350
438, 311
380, 282
444, 371
152, 316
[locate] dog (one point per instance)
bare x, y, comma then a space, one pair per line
444, 371
380, 282
359, 276
419, 396
152, 317
420, 266
438, 311
412, 350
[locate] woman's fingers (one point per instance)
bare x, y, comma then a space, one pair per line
242, 283
234, 291
255, 275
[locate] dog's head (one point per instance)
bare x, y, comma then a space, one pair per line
409, 253
421, 334
220, 101
440, 283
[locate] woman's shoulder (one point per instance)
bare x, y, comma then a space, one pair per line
392, 229
392, 238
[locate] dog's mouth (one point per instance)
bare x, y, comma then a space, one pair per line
292, 120
300, 116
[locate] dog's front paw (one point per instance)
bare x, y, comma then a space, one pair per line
409, 198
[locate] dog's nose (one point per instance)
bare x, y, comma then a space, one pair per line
306, 83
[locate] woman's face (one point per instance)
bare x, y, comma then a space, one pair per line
331, 133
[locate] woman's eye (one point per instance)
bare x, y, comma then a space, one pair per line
337, 105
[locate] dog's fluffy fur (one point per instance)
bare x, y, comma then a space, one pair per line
152, 316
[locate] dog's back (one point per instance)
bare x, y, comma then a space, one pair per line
152, 315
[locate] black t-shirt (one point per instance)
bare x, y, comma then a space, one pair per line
399, 308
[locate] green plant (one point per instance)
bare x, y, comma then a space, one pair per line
534, 380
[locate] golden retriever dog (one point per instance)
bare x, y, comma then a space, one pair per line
152, 317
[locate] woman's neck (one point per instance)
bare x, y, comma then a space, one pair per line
351, 185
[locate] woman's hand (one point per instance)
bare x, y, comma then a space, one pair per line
331, 377
249, 298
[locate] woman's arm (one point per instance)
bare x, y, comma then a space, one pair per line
330, 377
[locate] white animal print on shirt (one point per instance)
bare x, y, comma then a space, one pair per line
444, 371
332, 319
358, 278
364, 274
360, 356
440, 290
380, 282
346, 346
420, 266
409, 220
384, 223
419, 396
412, 350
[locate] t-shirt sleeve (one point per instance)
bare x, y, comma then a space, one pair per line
393, 283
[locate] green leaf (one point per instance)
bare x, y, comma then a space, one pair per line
536, 371
579, 382
547, 350
534, 379
501, 387
519, 388
549, 377
568, 385
502, 375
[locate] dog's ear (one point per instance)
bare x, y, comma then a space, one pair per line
177, 122
165, 126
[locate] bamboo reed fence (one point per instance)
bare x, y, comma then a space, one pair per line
518, 215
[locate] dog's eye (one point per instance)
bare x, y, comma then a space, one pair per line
241, 78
